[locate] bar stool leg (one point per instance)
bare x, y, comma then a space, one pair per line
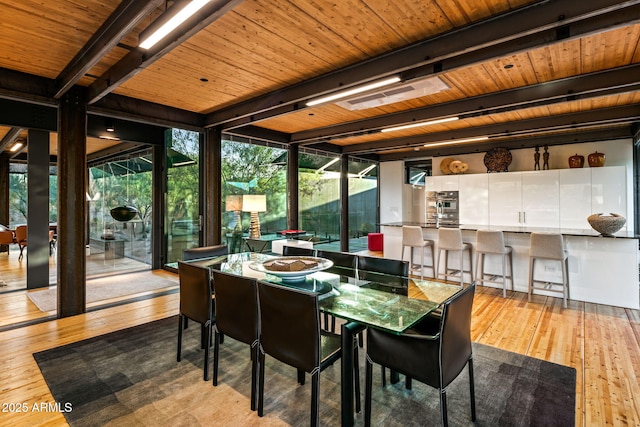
511, 269
565, 283
461, 269
531, 265
504, 276
422, 265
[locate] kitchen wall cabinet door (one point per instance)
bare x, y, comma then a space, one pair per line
505, 199
609, 190
540, 199
575, 198
473, 199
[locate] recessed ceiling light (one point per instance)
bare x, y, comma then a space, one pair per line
204, 79
507, 66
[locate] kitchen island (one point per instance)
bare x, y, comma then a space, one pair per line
602, 270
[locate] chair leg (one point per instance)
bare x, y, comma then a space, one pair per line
367, 392
261, 357
383, 372
443, 408
254, 375
216, 352
356, 378
300, 377
207, 345
565, 283
472, 391
504, 276
315, 399
407, 382
181, 320
530, 287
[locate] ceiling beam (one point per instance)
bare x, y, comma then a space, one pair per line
254, 132
137, 110
9, 137
599, 135
138, 59
532, 26
609, 82
118, 25
23, 87
617, 115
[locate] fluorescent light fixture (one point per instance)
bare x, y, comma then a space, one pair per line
172, 18
16, 147
457, 141
110, 138
415, 125
353, 91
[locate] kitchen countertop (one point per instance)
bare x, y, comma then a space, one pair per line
565, 231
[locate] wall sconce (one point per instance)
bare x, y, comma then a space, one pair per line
109, 125
254, 203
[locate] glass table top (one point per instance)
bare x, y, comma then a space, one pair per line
391, 303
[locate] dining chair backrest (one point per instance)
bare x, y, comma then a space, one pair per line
21, 234
450, 238
547, 245
195, 292
297, 250
340, 259
455, 334
290, 325
383, 265
490, 241
6, 237
412, 236
204, 252
236, 306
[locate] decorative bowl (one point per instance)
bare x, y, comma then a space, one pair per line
272, 266
123, 213
606, 224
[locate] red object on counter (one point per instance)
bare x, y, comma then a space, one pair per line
375, 241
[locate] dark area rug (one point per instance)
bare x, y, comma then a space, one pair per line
131, 377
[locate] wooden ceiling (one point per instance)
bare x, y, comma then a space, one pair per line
521, 72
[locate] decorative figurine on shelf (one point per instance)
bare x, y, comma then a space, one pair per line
536, 159
545, 157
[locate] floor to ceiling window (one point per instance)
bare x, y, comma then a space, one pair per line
250, 169
363, 203
183, 192
119, 214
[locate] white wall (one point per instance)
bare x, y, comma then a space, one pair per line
617, 153
391, 190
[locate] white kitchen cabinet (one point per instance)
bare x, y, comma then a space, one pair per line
524, 199
540, 199
473, 199
609, 190
575, 198
441, 183
505, 199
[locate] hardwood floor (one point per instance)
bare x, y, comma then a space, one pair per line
601, 342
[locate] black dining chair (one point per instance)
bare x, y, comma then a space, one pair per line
204, 252
290, 332
433, 352
340, 259
297, 251
236, 308
196, 303
389, 266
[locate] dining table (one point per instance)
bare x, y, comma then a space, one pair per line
363, 299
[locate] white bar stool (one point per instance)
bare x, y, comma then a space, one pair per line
412, 237
450, 240
549, 246
492, 243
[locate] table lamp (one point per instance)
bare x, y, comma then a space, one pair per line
233, 204
254, 203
